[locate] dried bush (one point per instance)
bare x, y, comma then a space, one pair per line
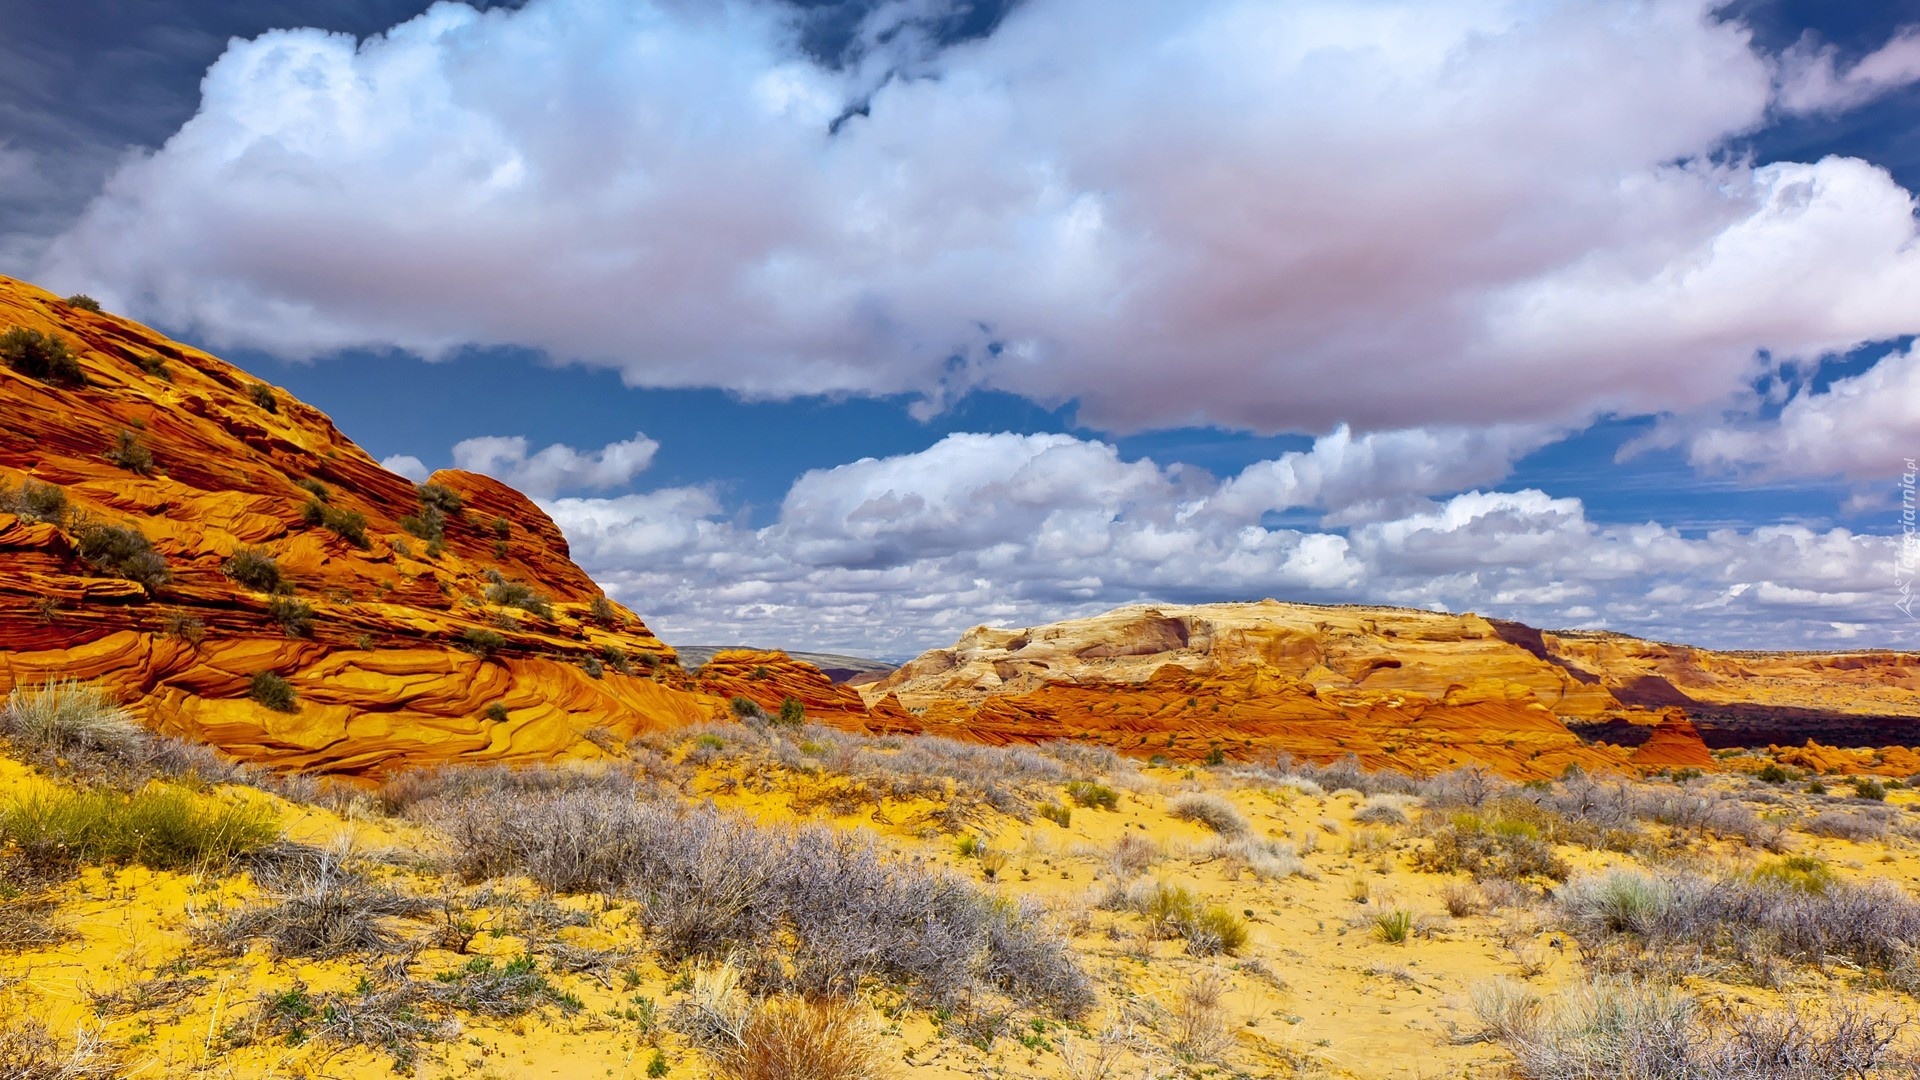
1490, 847
1265, 860
1210, 810
254, 568
1382, 810
29, 1052
65, 716
1463, 898
46, 357
123, 552
1089, 794
1858, 826
1200, 1028
25, 923
318, 907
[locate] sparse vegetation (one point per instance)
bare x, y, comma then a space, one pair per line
124, 552
83, 302
273, 692
481, 642
348, 525
254, 568
263, 396
65, 716
294, 616
1210, 810
792, 713
1087, 793
35, 502
130, 453
45, 357
155, 366
516, 594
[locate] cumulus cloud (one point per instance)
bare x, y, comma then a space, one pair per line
892, 555
1272, 216
408, 466
555, 468
1862, 428
1811, 79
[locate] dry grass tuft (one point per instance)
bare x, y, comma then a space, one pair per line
791, 1038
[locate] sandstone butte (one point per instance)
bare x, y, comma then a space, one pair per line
397, 668
409, 660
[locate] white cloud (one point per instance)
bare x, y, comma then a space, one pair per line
408, 466
1411, 213
1865, 427
889, 556
557, 467
1811, 81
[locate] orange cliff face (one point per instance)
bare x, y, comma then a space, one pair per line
770, 678
403, 649
1393, 687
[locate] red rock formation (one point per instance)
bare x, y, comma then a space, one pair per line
404, 650
1674, 744
769, 678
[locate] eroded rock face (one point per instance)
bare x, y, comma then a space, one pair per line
474, 646
770, 678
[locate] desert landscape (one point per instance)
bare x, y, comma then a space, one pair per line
309, 770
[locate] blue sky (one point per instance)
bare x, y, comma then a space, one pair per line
1596, 315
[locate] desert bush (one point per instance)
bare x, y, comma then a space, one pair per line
1208, 929
1210, 810
348, 525
155, 366
254, 568
1866, 787
1800, 872
1463, 898
1381, 810
1054, 812
130, 453
25, 923
429, 524
1490, 847
442, 498
35, 502
1620, 1028
124, 552
162, 828
63, 716
295, 617
45, 357
746, 708
482, 642
516, 594
318, 907
792, 713
1089, 794
273, 692
601, 610
813, 909
83, 302
1199, 1026
1265, 860
791, 1038
1847, 825
262, 395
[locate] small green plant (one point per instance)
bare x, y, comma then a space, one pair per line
348, 525
155, 366
792, 713
594, 668
131, 454
314, 488
616, 658
442, 498
481, 642
601, 610
497, 713
746, 708
273, 692
46, 357
430, 524
1772, 773
1054, 812
294, 616
1866, 787
160, 827
1801, 873
254, 568
516, 594
263, 396
1091, 795
502, 528
1393, 927
657, 1064
760, 674
83, 302
968, 846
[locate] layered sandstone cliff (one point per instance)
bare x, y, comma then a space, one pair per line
415, 624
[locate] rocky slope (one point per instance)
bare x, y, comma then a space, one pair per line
415, 625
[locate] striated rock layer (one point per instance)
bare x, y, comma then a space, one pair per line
483, 645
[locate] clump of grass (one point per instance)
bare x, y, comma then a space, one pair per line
274, 692
254, 568
124, 552
1092, 795
1803, 873
35, 502
129, 452
1394, 926
1210, 810
1208, 929
63, 716
162, 828
46, 357
294, 616
29, 1052
1054, 812
791, 1038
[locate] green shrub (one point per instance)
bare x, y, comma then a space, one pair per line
441, 498
348, 525
502, 528
429, 524
130, 453
253, 568
35, 502
1866, 787
1214, 930
123, 552
163, 828
154, 366
263, 396
274, 692
294, 616
594, 668
64, 716
1801, 873
314, 488
746, 708
1393, 927
792, 713
1054, 812
46, 357
1089, 794
481, 642
1772, 773
517, 594
83, 302
497, 713
601, 611
616, 658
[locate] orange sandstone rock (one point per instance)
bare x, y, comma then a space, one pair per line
403, 655
770, 678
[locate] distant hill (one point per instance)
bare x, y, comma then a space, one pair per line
838, 668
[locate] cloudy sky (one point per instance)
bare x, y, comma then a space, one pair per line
849, 325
